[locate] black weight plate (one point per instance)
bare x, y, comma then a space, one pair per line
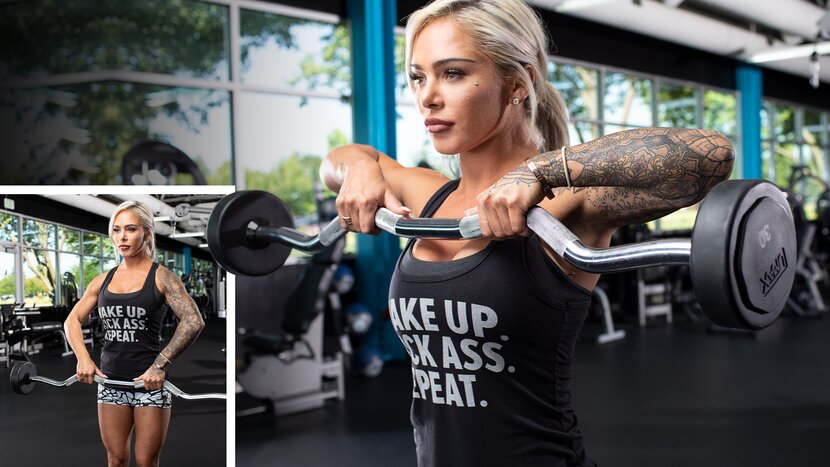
765, 256
226, 232
20, 377
724, 261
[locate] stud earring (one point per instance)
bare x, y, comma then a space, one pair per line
515, 101
476, 83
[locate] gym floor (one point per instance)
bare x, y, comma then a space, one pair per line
676, 395
59, 426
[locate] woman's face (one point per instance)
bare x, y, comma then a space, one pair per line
128, 234
459, 115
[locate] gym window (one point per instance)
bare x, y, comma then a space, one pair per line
794, 142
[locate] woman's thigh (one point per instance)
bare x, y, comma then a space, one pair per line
150, 432
116, 425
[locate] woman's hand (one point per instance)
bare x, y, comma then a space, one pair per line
86, 371
153, 378
363, 192
503, 207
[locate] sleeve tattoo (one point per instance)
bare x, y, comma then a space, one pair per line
190, 320
638, 175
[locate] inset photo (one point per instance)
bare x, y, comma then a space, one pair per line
113, 325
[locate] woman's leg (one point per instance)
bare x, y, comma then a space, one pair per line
116, 425
150, 432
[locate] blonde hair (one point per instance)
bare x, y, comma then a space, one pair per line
145, 218
510, 34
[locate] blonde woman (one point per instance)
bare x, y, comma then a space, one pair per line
130, 300
491, 324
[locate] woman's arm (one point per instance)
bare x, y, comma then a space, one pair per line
627, 177
190, 320
188, 329
640, 175
85, 368
366, 179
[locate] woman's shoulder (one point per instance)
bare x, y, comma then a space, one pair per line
416, 186
96, 283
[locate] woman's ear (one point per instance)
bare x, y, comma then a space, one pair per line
519, 90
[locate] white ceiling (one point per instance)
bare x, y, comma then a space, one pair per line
735, 28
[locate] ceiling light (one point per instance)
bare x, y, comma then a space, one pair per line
187, 234
822, 48
574, 5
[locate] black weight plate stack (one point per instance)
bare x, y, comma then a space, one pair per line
227, 232
20, 377
743, 254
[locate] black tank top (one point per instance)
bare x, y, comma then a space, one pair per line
491, 338
132, 328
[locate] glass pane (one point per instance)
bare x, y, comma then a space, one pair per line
402, 91
767, 168
109, 263
109, 251
38, 277
766, 111
38, 234
786, 156
582, 132
627, 100
7, 275
284, 158
720, 112
70, 278
8, 227
290, 52
815, 159
608, 129
783, 124
578, 87
68, 240
81, 134
92, 268
812, 132
184, 38
92, 244
682, 219
677, 106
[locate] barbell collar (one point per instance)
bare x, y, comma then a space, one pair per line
128, 384
605, 260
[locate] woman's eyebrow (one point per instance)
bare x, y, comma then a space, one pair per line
443, 61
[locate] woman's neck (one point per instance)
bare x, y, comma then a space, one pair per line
139, 261
489, 162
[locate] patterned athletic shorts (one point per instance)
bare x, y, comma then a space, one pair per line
160, 398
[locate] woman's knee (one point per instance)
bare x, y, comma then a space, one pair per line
146, 460
118, 459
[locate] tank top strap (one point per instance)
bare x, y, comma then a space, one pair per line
151, 276
438, 198
108, 279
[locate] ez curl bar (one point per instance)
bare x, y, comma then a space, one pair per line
741, 253
24, 376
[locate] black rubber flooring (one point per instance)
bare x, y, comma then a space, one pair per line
665, 396
59, 426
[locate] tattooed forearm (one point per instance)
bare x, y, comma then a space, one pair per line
520, 175
646, 172
190, 320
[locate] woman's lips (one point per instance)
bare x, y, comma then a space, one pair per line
436, 126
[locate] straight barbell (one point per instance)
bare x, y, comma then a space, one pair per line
23, 377
741, 254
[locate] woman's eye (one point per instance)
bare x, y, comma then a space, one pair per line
416, 79
453, 73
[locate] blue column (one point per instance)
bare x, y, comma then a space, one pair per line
186, 253
373, 114
749, 81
